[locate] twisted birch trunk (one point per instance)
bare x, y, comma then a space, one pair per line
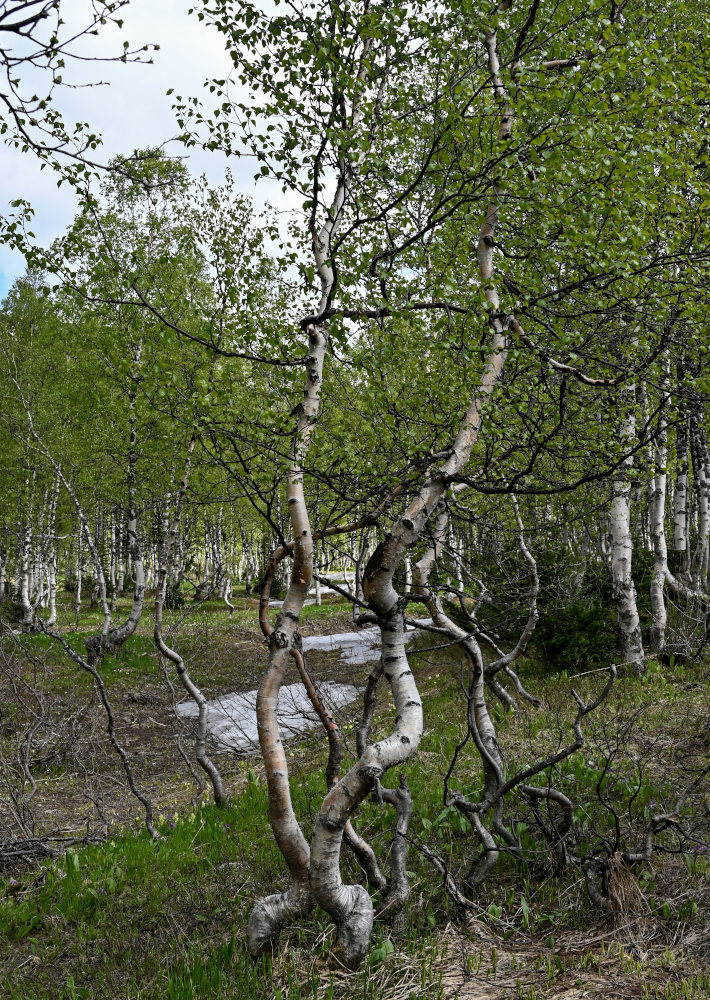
350, 905
272, 913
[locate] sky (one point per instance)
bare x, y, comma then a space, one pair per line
132, 111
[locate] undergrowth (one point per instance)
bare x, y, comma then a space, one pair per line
165, 921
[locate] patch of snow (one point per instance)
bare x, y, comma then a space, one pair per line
355, 647
232, 717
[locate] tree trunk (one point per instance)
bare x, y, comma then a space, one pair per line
658, 531
272, 913
27, 609
52, 555
701, 478
680, 500
192, 689
629, 627
3, 563
79, 574
350, 905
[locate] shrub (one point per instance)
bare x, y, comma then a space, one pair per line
11, 611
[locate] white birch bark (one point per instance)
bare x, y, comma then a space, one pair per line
318, 592
680, 499
407, 574
79, 574
25, 585
112, 551
629, 626
701, 477
3, 563
456, 557
644, 500
658, 516
121, 581
272, 913
350, 905
52, 555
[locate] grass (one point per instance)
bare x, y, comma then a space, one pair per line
130, 918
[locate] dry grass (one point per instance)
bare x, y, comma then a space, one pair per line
468, 962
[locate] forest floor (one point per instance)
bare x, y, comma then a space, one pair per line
119, 916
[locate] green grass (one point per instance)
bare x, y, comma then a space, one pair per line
161, 920
142, 920
97, 902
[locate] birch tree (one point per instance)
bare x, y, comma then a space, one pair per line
374, 118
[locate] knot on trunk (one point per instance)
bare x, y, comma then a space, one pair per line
371, 772
278, 640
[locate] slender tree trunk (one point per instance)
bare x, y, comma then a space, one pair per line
701, 477
456, 558
121, 581
630, 642
272, 913
643, 500
658, 531
192, 689
680, 499
25, 583
79, 574
52, 555
112, 560
317, 586
3, 563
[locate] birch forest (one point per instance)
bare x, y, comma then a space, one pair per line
355, 520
